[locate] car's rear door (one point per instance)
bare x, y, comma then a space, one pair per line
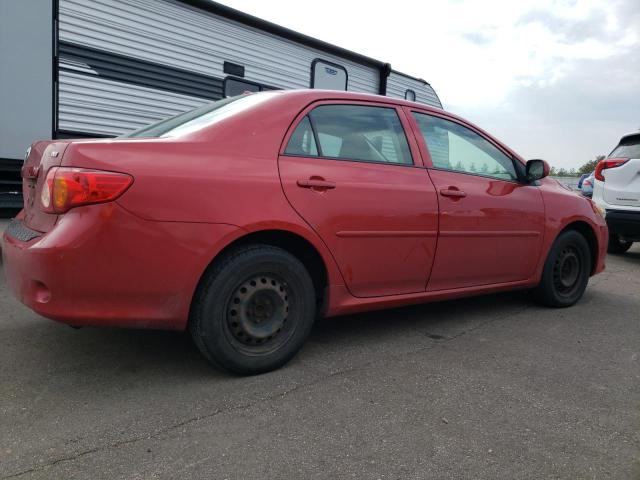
348, 169
491, 225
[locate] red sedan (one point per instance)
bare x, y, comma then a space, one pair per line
247, 218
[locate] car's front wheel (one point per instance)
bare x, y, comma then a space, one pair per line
566, 271
253, 310
617, 245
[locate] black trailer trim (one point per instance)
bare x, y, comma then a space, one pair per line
122, 68
71, 134
255, 22
10, 183
385, 71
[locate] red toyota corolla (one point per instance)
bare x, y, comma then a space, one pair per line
245, 219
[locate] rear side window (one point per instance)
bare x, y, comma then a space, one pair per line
302, 141
628, 148
352, 132
460, 149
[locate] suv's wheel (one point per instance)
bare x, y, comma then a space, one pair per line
617, 245
566, 271
253, 309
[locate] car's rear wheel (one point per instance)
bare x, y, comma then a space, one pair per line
253, 310
617, 245
566, 271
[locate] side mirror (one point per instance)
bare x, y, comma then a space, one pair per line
536, 169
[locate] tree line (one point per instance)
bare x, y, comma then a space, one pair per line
588, 167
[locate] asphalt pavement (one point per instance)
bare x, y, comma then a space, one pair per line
492, 387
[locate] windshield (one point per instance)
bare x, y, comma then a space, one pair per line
628, 148
200, 117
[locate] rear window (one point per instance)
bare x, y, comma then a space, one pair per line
204, 116
628, 148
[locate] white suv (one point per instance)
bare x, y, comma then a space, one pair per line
616, 190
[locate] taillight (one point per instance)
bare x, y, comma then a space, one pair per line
66, 188
607, 163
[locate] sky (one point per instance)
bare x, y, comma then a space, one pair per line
558, 80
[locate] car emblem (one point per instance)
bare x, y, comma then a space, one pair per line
54, 154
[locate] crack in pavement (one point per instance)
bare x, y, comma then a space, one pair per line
397, 357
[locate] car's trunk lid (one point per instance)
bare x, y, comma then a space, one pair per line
42, 156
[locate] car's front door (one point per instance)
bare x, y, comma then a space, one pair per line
491, 224
348, 170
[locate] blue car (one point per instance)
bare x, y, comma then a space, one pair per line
586, 185
582, 177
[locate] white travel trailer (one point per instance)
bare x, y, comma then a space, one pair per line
91, 68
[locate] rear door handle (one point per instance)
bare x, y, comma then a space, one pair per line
452, 192
316, 183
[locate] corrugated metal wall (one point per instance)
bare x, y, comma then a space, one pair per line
126, 63
90, 104
397, 85
180, 36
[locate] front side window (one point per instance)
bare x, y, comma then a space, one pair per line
457, 148
354, 132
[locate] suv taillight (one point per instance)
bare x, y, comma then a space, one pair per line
66, 188
607, 163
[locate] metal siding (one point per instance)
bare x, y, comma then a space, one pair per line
94, 105
398, 84
111, 66
171, 33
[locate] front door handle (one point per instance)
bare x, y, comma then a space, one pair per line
452, 192
316, 184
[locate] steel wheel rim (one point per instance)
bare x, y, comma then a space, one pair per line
567, 270
257, 315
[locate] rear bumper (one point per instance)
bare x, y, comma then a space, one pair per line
103, 266
624, 223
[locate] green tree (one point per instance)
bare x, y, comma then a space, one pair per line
472, 167
590, 166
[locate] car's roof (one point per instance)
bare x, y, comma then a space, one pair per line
632, 134
313, 94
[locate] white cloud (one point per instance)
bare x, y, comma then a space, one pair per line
489, 58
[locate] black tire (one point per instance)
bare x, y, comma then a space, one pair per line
616, 245
566, 271
253, 309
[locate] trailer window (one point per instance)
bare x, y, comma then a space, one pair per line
410, 95
328, 76
233, 87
